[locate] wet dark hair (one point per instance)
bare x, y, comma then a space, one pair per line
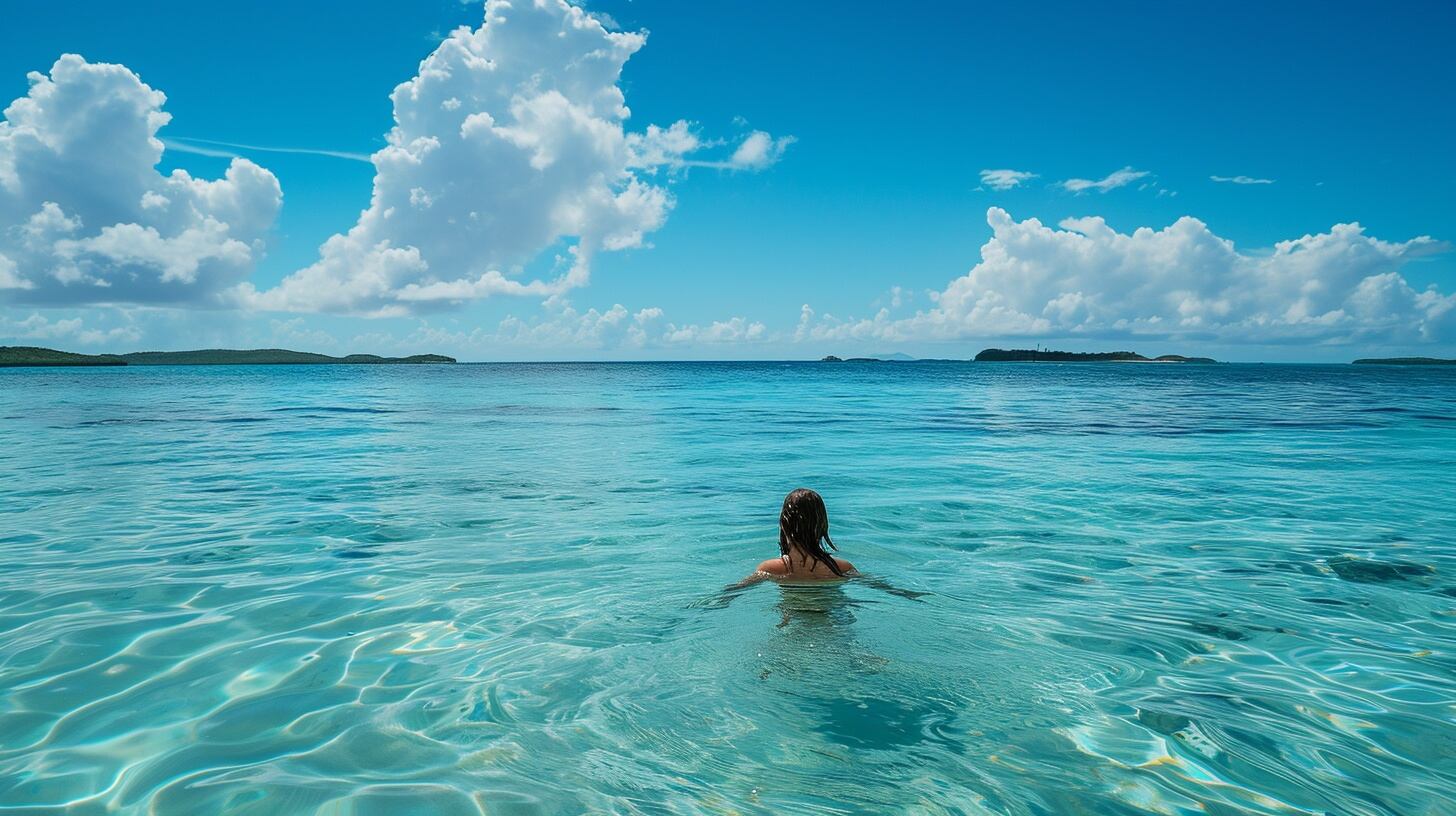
803, 523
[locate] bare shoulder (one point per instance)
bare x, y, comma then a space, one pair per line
844, 566
773, 566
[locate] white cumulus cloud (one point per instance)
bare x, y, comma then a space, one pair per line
559, 327
39, 327
1005, 179
669, 147
562, 326
85, 218
1113, 180
508, 142
759, 150
733, 330
1085, 278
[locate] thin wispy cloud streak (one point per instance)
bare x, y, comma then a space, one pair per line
1119, 178
1005, 179
228, 150
1241, 180
725, 164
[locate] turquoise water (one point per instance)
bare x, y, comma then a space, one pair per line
1152, 589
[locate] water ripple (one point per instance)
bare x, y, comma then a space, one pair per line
1147, 590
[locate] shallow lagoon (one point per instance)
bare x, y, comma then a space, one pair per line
1153, 589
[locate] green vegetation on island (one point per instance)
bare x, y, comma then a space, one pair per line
270, 357
1047, 356
832, 359
1409, 361
17, 356
1032, 356
31, 356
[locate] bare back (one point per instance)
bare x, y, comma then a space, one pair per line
799, 567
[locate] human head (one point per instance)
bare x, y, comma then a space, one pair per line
804, 525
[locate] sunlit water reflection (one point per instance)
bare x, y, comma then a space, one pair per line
1151, 589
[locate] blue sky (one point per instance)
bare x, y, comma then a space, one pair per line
866, 204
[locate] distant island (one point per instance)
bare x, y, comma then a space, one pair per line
34, 356
1034, 356
1404, 361
1040, 356
29, 356
832, 359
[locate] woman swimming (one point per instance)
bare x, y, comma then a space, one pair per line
803, 559
803, 534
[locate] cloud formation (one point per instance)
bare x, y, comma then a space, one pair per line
1183, 281
1113, 180
508, 142
85, 218
1005, 179
758, 150
1241, 180
70, 329
560, 326
669, 147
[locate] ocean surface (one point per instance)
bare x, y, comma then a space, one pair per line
1149, 589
